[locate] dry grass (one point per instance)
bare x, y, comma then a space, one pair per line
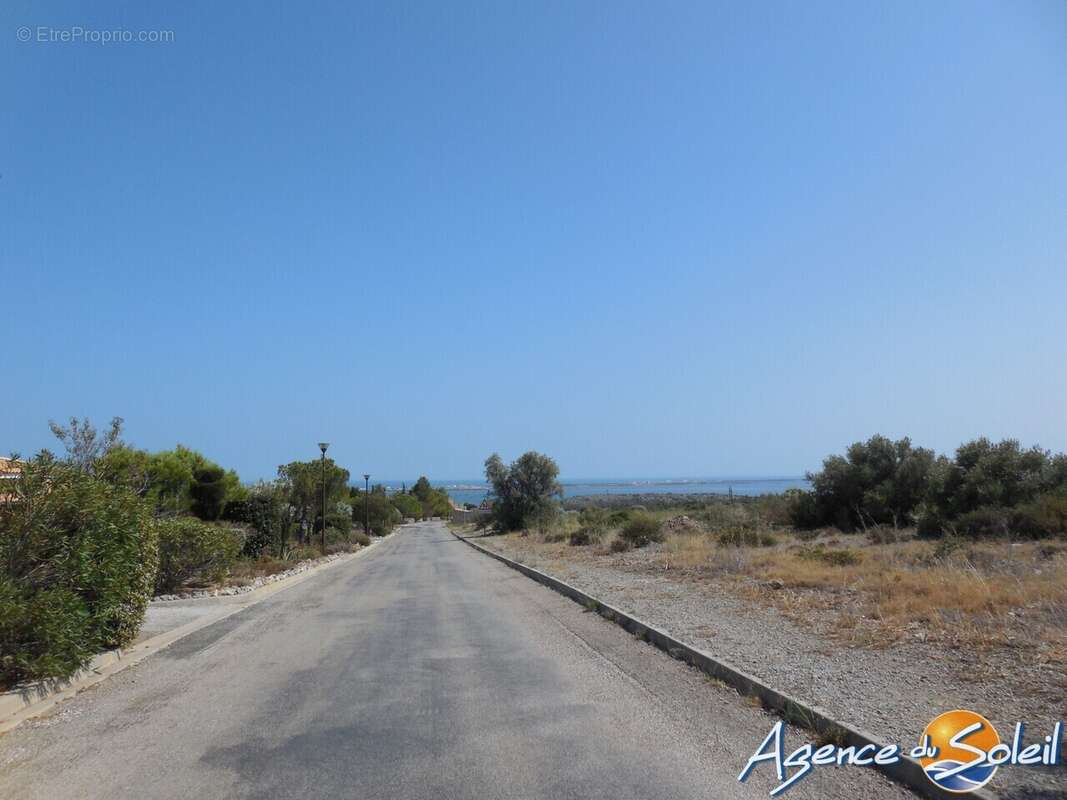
874, 590
247, 570
986, 594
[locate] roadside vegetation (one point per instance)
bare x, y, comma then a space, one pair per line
87, 538
892, 543
523, 492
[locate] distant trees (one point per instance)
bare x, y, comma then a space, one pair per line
177, 481
877, 482
376, 508
432, 502
422, 489
266, 510
522, 491
987, 474
407, 505
303, 482
985, 488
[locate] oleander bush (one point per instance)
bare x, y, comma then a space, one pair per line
191, 548
78, 557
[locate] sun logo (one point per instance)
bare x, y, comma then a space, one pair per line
957, 745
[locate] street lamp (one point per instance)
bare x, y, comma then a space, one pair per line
366, 504
322, 447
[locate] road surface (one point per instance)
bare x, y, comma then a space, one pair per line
421, 670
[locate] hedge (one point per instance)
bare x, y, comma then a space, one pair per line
189, 547
77, 561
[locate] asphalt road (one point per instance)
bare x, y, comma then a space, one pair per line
423, 670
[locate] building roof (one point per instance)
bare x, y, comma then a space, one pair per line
10, 468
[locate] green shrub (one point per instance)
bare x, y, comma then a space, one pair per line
208, 491
930, 526
619, 518
361, 538
43, 634
406, 504
189, 548
78, 557
835, 558
740, 536
382, 511
641, 530
586, 536
339, 522
593, 524
946, 546
803, 509
1044, 517
984, 523
620, 545
594, 518
264, 515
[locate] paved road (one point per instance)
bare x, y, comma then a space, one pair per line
422, 670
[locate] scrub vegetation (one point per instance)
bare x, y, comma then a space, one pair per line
87, 538
892, 543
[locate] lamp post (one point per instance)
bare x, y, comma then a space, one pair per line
322, 447
366, 504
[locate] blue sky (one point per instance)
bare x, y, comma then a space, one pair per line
647, 239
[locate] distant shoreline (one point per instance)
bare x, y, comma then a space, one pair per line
677, 490
651, 500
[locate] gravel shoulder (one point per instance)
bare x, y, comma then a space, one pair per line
892, 692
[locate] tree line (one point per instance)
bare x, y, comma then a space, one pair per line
985, 489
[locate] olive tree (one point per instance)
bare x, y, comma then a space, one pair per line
522, 491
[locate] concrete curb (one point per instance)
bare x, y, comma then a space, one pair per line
32, 700
908, 772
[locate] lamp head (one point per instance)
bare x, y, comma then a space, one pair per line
323, 446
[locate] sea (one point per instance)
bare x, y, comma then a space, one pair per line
474, 491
